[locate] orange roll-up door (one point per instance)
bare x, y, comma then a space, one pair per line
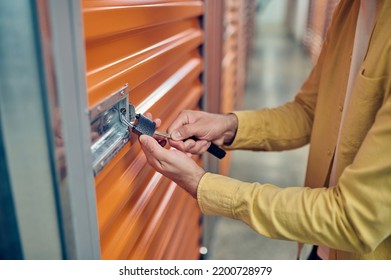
153, 46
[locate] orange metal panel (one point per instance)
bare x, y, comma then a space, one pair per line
213, 24
146, 247
153, 46
109, 20
184, 246
138, 67
130, 224
238, 21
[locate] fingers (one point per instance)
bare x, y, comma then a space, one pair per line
179, 145
197, 147
173, 164
191, 146
161, 139
185, 131
186, 125
181, 119
153, 151
158, 122
184, 119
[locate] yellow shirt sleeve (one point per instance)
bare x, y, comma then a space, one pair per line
266, 136
354, 215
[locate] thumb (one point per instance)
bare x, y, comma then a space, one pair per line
184, 132
156, 155
149, 145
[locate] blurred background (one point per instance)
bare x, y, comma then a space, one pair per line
74, 183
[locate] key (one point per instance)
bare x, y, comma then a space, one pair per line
165, 135
213, 148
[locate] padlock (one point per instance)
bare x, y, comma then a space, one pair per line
144, 126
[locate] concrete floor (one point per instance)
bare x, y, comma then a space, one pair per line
277, 68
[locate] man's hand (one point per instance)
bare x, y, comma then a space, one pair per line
173, 164
217, 128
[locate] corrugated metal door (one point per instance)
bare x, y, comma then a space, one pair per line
229, 67
238, 22
238, 33
153, 46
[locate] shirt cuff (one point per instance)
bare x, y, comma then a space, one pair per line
216, 195
245, 130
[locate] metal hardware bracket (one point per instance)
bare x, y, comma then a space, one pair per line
108, 134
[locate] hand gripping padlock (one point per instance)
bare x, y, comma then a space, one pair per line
148, 127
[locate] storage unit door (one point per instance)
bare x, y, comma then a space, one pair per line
153, 47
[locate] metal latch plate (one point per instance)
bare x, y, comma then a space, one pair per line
108, 134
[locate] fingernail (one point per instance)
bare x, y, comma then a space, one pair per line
163, 143
143, 139
176, 135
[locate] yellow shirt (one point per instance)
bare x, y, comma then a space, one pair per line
354, 215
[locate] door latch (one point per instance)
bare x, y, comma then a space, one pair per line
108, 134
